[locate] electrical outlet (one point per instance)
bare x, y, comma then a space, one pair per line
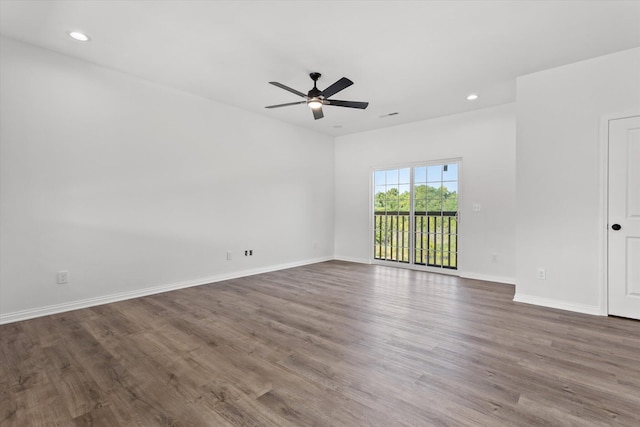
476, 207
229, 255
541, 274
63, 277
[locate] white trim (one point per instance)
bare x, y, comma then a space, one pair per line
561, 305
352, 259
370, 244
17, 316
488, 278
604, 204
411, 165
603, 215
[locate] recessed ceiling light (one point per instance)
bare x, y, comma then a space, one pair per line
76, 35
472, 97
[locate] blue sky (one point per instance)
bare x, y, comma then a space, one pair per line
432, 175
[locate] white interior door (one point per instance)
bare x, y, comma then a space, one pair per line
624, 217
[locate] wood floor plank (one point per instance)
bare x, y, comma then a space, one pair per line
328, 344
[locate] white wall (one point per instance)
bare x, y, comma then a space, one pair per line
133, 187
136, 188
559, 211
484, 139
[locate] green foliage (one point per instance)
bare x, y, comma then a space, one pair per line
435, 235
427, 198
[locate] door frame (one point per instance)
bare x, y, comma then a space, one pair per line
412, 164
604, 204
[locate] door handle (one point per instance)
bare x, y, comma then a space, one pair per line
616, 227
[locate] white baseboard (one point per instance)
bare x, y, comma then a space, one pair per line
351, 259
487, 277
562, 305
17, 316
90, 302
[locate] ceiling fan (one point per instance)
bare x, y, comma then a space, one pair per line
316, 98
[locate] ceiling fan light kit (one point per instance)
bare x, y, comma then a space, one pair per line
314, 103
316, 98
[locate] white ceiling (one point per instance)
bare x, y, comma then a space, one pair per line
417, 58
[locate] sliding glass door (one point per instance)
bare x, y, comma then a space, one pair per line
415, 211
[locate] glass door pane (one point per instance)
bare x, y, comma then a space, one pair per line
392, 205
436, 215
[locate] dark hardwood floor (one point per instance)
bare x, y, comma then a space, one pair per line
330, 344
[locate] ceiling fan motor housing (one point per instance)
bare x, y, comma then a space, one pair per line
315, 92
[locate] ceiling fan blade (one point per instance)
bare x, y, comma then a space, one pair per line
286, 105
317, 113
281, 86
350, 104
341, 84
